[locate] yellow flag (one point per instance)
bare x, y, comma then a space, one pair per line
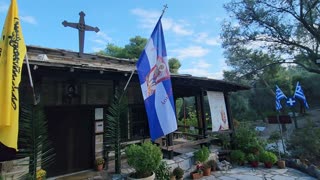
12, 52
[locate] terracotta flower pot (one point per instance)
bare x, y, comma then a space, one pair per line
268, 164
196, 175
100, 167
281, 164
254, 164
207, 171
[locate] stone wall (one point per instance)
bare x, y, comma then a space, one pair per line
14, 169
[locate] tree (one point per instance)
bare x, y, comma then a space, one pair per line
133, 51
289, 28
174, 65
130, 51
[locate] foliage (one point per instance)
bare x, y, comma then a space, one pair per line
212, 163
163, 171
41, 173
178, 172
252, 157
202, 154
116, 114
99, 161
144, 158
268, 157
276, 27
33, 138
246, 139
174, 65
130, 51
305, 143
225, 140
237, 156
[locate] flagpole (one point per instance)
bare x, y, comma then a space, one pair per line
125, 87
284, 149
30, 79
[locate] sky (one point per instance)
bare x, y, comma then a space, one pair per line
191, 28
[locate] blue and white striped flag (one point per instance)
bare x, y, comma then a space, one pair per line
278, 105
299, 94
155, 82
279, 95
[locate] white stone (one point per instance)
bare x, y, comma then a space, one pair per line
281, 177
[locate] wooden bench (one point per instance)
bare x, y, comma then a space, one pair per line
284, 119
186, 144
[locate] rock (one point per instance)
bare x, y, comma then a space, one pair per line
223, 165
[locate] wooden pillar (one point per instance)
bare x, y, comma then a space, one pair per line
230, 118
169, 138
198, 111
228, 107
203, 114
202, 125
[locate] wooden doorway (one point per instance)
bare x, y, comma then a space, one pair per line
71, 131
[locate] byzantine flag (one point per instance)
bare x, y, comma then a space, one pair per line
299, 94
155, 83
12, 52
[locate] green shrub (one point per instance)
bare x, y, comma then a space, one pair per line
252, 157
163, 171
237, 156
268, 157
246, 140
143, 158
305, 143
178, 172
212, 163
202, 154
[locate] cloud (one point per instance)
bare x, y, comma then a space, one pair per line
202, 68
190, 52
103, 37
204, 38
101, 40
28, 19
148, 18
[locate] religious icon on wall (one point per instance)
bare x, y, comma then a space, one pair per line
71, 95
218, 111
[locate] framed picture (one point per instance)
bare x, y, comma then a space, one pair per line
98, 113
99, 127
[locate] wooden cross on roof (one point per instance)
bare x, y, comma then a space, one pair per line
82, 27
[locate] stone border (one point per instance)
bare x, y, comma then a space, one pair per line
311, 169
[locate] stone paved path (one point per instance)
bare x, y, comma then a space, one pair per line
247, 173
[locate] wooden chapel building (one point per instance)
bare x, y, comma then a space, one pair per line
76, 91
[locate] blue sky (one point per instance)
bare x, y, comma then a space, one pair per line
191, 28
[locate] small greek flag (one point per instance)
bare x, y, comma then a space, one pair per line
278, 105
300, 95
279, 95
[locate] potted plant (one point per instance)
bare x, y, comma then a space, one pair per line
99, 163
198, 173
206, 168
238, 157
178, 173
268, 158
144, 158
41, 174
202, 154
253, 159
213, 164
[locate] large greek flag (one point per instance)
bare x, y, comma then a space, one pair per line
279, 95
299, 94
155, 82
